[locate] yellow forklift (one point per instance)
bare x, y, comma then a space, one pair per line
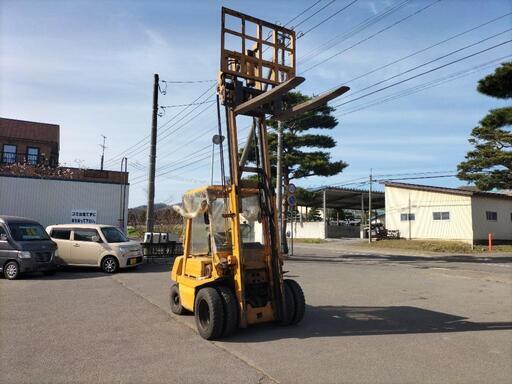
231, 272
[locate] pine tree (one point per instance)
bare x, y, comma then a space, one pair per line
489, 164
304, 154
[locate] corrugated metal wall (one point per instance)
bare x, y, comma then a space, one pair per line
501, 228
51, 201
423, 204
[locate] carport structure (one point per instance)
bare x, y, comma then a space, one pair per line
346, 198
341, 198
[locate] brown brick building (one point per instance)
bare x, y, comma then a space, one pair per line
30, 142
32, 183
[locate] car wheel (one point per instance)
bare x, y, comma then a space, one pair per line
209, 313
300, 301
174, 299
11, 270
230, 310
109, 264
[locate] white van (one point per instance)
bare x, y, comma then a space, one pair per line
104, 246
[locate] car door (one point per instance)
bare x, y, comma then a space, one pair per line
85, 251
6, 250
62, 236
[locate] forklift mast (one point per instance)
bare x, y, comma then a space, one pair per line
265, 57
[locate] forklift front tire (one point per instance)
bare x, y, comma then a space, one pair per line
230, 310
175, 301
209, 313
300, 301
289, 302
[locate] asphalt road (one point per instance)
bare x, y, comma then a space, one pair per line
370, 319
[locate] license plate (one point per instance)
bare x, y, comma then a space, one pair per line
133, 261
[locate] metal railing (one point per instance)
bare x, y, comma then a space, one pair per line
10, 158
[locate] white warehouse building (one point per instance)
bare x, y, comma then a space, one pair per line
436, 213
61, 201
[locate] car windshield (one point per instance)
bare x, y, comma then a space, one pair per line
28, 232
114, 235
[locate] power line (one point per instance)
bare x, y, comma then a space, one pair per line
373, 35
424, 73
166, 135
187, 81
143, 140
429, 47
408, 79
192, 156
358, 28
310, 16
187, 105
162, 134
328, 18
424, 86
303, 12
415, 178
434, 60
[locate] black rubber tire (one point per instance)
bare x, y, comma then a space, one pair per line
109, 264
230, 310
209, 313
11, 270
175, 302
300, 301
289, 307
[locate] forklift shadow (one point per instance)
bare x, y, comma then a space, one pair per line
329, 321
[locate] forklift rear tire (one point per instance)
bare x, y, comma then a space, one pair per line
230, 310
175, 301
209, 313
289, 302
300, 301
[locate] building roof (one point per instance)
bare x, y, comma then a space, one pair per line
29, 130
345, 198
16, 219
451, 191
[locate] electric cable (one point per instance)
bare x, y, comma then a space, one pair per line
372, 35
353, 31
328, 18
429, 47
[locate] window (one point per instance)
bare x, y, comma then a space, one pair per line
3, 234
33, 155
491, 216
407, 217
9, 154
85, 234
27, 232
441, 215
63, 234
114, 235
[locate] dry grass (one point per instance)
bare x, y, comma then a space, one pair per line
437, 246
310, 241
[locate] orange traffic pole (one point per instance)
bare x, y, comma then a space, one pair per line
490, 241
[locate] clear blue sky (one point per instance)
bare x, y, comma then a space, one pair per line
88, 66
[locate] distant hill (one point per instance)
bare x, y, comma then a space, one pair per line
142, 208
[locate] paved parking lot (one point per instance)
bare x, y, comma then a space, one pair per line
370, 319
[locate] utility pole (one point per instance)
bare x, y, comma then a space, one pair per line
370, 208
279, 183
409, 216
150, 213
103, 150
